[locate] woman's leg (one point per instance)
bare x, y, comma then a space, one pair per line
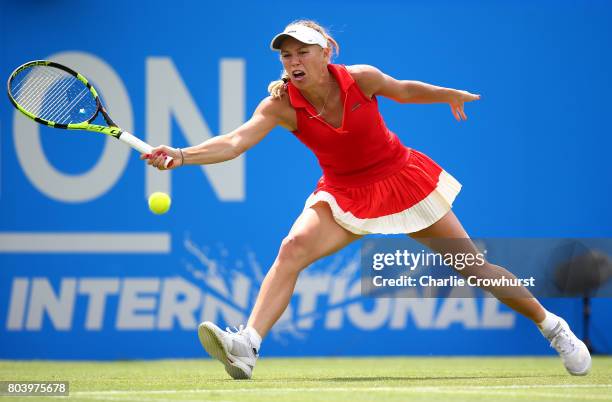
449, 227
315, 234
574, 353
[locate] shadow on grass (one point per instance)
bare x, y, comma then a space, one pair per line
436, 378
412, 380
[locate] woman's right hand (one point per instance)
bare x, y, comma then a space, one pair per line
157, 157
457, 99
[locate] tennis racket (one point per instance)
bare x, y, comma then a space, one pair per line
57, 96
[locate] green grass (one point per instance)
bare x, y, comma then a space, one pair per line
324, 379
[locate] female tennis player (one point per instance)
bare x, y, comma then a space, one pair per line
371, 184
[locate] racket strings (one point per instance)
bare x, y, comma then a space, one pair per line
45, 88
55, 98
23, 78
53, 95
69, 108
30, 94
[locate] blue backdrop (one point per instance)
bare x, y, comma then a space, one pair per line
88, 272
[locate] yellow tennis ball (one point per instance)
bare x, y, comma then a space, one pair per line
159, 203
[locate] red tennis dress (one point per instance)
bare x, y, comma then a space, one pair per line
371, 181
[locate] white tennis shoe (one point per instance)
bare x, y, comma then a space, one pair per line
574, 353
233, 349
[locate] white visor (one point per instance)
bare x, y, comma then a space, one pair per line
302, 33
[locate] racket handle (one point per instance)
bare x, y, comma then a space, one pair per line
140, 146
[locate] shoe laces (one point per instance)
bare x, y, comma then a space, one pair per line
236, 331
563, 342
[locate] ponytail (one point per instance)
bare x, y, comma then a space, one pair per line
277, 88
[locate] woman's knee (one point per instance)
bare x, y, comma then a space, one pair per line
295, 251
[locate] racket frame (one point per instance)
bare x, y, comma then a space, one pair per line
112, 129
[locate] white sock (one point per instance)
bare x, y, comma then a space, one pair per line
549, 323
254, 337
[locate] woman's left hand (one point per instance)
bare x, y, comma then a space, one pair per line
458, 98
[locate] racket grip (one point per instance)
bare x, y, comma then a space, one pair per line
141, 146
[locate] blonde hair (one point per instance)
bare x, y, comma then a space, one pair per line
277, 88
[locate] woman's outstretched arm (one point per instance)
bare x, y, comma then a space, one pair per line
222, 147
374, 82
